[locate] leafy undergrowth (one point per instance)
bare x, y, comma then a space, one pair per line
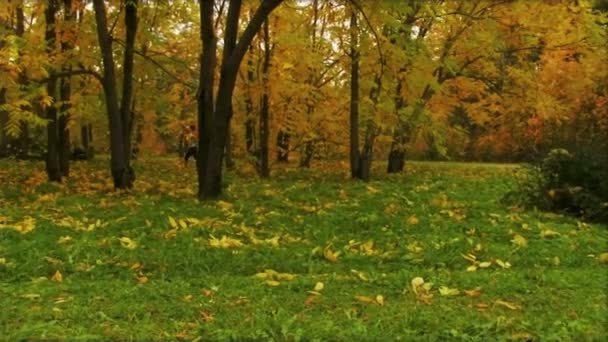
427, 255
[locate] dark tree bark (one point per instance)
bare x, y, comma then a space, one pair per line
3, 121
210, 168
354, 97
122, 173
126, 102
282, 146
264, 168
249, 119
308, 151
52, 158
65, 92
396, 156
205, 92
229, 159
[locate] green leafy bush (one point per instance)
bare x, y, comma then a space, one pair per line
573, 183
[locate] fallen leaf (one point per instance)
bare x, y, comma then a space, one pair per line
472, 268
365, 299
485, 264
330, 255
172, 222
446, 291
57, 277
64, 239
206, 316
127, 243
142, 279
310, 299
30, 296
360, 275
224, 242
519, 240
603, 258
319, 286
476, 292
503, 264
412, 220
272, 283
548, 233
508, 305
380, 300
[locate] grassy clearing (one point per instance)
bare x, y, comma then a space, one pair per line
65, 273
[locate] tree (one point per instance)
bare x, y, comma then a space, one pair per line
214, 116
119, 115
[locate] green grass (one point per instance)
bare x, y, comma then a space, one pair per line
175, 285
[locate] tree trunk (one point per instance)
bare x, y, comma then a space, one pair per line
283, 146
396, 156
229, 159
52, 158
210, 183
249, 115
396, 160
121, 174
3, 120
205, 91
63, 130
355, 163
265, 107
65, 92
307, 154
127, 103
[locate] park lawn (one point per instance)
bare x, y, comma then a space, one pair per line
304, 255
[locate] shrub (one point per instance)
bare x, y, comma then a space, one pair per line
572, 183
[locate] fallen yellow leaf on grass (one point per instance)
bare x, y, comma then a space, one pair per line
446, 291
330, 255
64, 239
127, 243
360, 275
485, 264
548, 233
57, 277
503, 264
476, 292
380, 300
30, 296
272, 283
224, 242
142, 279
319, 286
519, 240
508, 305
224, 205
412, 220
603, 258
365, 299
172, 222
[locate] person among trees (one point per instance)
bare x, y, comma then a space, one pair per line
191, 143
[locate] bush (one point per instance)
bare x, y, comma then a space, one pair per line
576, 184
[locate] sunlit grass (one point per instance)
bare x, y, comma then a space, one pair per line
173, 284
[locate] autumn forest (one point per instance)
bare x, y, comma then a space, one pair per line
304, 169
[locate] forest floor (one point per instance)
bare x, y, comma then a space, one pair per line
431, 254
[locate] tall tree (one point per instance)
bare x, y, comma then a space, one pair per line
264, 168
119, 115
214, 116
52, 158
65, 90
